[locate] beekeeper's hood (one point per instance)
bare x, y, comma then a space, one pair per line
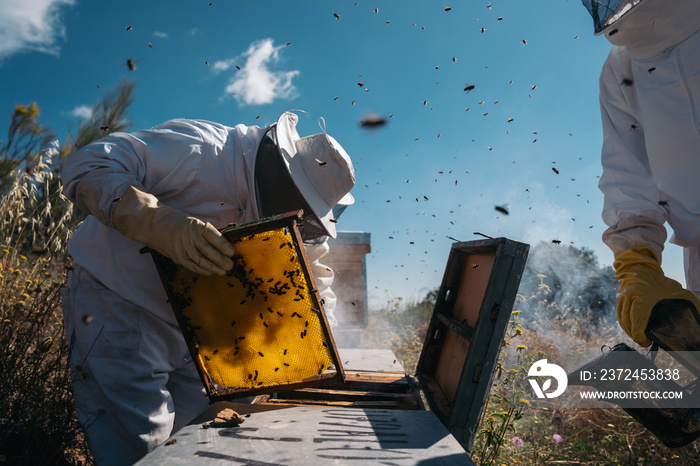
320, 169
645, 27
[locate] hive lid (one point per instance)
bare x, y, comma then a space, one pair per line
261, 327
466, 330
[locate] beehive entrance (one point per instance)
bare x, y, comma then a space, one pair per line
261, 326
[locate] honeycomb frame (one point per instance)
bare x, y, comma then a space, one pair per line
264, 330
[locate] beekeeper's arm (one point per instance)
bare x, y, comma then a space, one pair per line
323, 275
636, 232
106, 179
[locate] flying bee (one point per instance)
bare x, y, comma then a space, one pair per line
502, 209
468, 88
373, 121
131, 64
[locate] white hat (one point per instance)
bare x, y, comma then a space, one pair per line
320, 168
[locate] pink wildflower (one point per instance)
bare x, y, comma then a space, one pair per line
518, 442
557, 438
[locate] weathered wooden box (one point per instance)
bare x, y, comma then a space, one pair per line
466, 331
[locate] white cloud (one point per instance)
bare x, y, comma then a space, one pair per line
255, 83
82, 111
223, 65
160, 34
30, 25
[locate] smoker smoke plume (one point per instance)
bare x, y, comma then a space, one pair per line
568, 302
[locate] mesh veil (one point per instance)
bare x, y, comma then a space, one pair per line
606, 12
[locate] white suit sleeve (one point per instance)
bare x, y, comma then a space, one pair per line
631, 198
324, 278
96, 176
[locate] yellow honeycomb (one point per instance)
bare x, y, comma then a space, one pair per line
257, 326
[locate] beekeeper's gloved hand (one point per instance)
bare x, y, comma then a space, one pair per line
186, 240
642, 286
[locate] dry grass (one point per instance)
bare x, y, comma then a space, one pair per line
38, 424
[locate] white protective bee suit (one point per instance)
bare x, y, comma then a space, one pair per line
650, 105
134, 381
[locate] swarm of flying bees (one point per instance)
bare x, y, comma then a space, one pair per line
372, 121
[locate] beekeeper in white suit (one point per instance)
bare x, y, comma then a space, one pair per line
650, 104
170, 188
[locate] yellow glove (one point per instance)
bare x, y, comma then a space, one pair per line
186, 240
642, 286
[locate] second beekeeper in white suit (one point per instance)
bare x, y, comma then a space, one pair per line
650, 104
170, 188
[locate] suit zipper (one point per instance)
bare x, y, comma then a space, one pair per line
681, 70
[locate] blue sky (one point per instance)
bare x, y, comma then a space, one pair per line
446, 158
